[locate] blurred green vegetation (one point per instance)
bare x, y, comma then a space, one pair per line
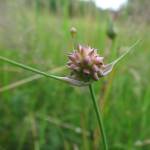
48, 115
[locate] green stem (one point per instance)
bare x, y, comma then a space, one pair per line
28, 67
99, 117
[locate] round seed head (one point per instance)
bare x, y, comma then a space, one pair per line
85, 63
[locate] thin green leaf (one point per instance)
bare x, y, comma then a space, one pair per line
108, 68
64, 79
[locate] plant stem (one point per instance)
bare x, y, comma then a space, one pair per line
28, 68
99, 117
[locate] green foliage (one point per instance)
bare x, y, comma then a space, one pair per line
44, 113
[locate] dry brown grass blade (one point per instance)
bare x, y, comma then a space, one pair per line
28, 79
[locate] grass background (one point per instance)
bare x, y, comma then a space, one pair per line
46, 114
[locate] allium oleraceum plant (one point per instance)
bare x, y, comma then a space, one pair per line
86, 66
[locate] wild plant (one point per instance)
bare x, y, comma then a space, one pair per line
86, 66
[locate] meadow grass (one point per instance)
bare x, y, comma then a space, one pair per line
43, 42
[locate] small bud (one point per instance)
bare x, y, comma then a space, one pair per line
73, 32
111, 31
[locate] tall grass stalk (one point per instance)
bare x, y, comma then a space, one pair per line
99, 117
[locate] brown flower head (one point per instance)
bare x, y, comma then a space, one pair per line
86, 64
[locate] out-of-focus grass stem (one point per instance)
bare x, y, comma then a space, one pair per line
34, 133
113, 51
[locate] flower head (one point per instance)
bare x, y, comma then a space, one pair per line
86, 64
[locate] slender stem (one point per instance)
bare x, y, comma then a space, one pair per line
74, 43
99, 117
28, 67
